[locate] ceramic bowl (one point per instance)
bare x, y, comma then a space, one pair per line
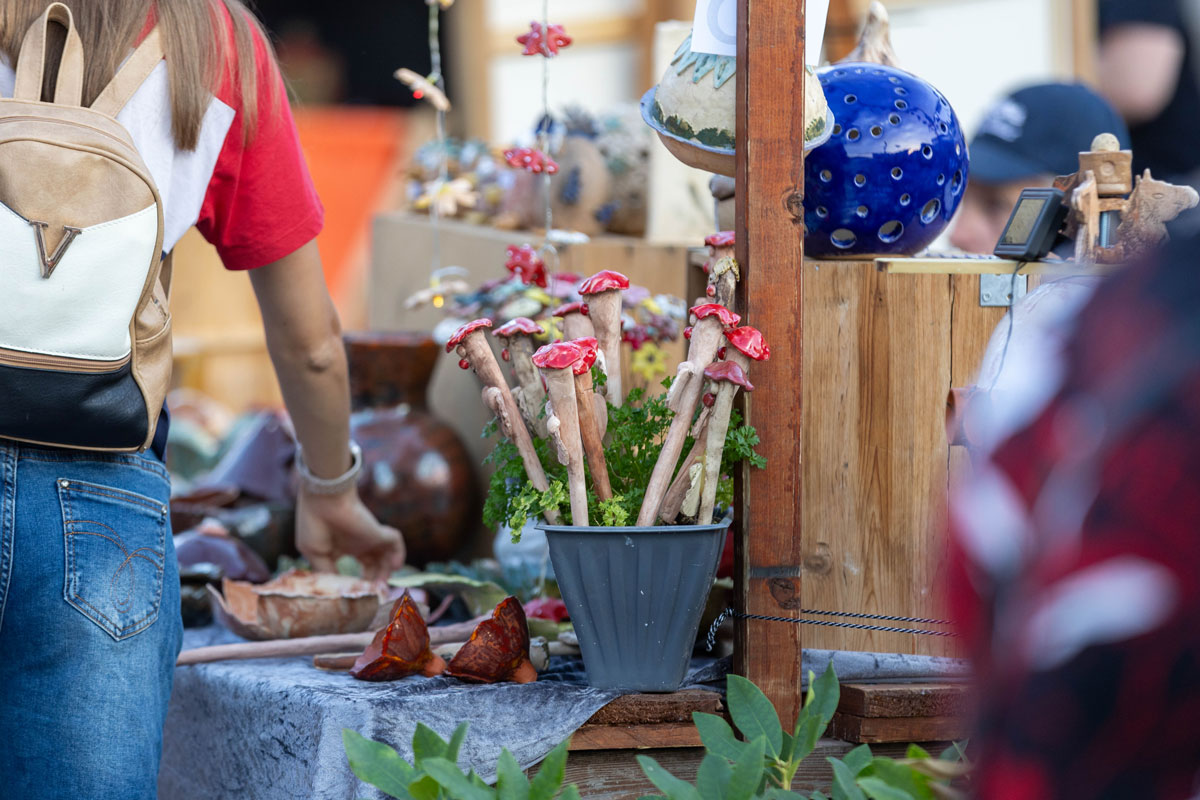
297, 603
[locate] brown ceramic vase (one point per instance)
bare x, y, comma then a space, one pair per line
417, 474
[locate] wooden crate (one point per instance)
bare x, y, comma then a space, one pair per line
402, 252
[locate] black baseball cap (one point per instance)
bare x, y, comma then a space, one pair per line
1040, 130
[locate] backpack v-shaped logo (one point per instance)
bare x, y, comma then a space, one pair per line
49, 263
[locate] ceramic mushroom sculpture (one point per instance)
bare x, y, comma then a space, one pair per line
589, 423
557, 362
602, 292
470, 342
518, 335
575, 322
745, 344
680, 488
711, 321
722, 268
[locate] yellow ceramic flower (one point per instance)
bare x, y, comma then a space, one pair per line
551, 327
449, 196
649, 362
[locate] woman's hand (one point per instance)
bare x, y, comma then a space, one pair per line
331, 526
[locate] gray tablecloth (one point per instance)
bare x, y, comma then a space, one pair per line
272, 729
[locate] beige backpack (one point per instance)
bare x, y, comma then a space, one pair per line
85, 333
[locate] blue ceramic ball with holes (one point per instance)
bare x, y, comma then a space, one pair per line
891, 176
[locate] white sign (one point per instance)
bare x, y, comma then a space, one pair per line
715, 28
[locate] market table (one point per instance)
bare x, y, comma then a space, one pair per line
272, 728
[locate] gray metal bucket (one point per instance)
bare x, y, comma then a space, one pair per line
636, 596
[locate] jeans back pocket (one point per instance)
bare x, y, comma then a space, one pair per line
115, 544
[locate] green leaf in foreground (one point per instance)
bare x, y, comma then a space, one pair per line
667, 783
377, 764
450, 777
753, 713
511, 783
717, 736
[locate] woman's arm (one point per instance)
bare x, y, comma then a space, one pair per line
305, 343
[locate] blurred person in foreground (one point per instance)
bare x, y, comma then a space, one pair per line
1077, 569
1026, 140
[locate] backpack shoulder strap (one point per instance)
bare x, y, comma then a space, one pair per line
132, 74
31, 61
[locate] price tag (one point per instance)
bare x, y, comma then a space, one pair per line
714, 29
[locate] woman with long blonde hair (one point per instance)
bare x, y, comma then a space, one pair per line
89, 599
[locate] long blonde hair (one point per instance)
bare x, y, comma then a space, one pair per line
195, 40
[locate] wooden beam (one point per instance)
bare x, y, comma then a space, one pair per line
890, 700
635, 737
770, 248
874, 730
1085, 34
466, 26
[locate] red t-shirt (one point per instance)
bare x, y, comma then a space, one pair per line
260, 203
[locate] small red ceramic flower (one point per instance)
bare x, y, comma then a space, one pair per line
635, 336
550, 608
544, 40
530, 159
526, 264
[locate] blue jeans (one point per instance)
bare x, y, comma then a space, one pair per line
89, 623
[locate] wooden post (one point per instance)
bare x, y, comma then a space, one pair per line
770, 248
1085, 30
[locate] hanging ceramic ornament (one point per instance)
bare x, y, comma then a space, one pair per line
693, 109
894, 171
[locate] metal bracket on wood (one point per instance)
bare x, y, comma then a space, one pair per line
1001, 290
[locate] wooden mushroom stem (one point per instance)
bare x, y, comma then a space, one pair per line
718, 429
685, 393
723, 277
604, 309
592, 436
531, 395
689, 377
499, 399
673, 500
564, 428
576, 325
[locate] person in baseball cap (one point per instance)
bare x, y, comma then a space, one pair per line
1025, 140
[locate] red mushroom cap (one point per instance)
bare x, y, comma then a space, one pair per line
568, 308
722, 239
728, 371
590, 347
518, 326
604, 281
462, 332
728, 318
559, 355
750, 342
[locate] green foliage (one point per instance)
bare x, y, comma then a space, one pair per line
761, 764
635, 434
435, 775
764, 761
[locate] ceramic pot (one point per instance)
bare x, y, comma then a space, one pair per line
636, 596
892, 174
417, 473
